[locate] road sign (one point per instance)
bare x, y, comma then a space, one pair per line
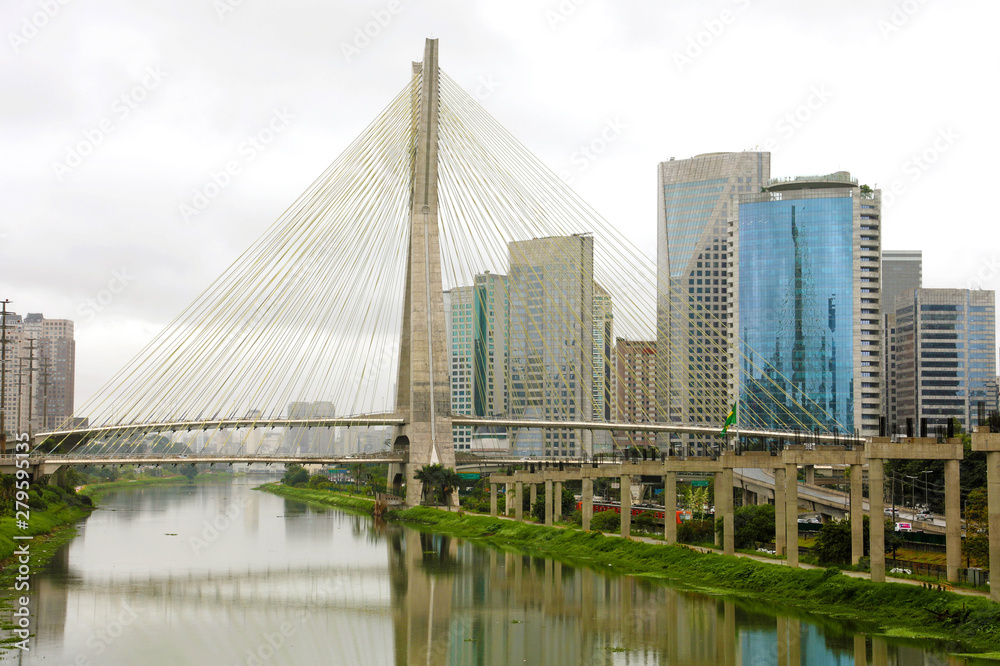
700, 482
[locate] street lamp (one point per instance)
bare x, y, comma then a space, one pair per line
926, 484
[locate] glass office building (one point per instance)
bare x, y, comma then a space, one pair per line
698, 199
946, 355
551, 340
808, 305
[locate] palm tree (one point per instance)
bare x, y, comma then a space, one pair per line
449, 480
430, 477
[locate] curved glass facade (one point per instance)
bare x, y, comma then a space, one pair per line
797, 315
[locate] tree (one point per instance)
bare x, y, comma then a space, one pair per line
606, 521
976, 546
294, 475
439, 482
752, 525
189, 472
833, 543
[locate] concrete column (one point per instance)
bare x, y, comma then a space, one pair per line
587, 500
548, 502
533, 494
718, 512
670, 507
876, 510
519, 501
810, 474
953, 518
557, 502
493, 500
508, 504
993, 498
724, 504
857, 514
792, 515
780, 546
626, 488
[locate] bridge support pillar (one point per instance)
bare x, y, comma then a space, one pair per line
857, 514
493, 500
953, 518
548, 502
792, 514
557, 502
587, 501
993, 515
724, 508
626, 504
508, 499
810, 474
670, 507
780, 544
532, 498
519, 501
876, 523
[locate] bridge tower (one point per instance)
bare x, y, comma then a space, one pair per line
423, 389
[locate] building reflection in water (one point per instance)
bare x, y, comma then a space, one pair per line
456, 603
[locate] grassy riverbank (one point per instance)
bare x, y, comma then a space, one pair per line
902, 610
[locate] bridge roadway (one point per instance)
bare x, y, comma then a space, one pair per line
392, 419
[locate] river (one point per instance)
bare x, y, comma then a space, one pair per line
224, 575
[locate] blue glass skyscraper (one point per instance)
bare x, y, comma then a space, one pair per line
808, 305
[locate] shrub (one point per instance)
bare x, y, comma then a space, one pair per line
752, 525
606, 521
696, 531
646, 522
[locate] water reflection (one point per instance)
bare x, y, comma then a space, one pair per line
226, 575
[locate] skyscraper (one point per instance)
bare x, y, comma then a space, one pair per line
946, 355
808, 285
551, 331
476, 328
902, 271
40, 372
697, 199
604, 370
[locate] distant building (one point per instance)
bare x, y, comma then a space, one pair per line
40, 373
551, 339
604, 366
697, 201
313, 439
946, 355
808, 305
476, 329
902, 271
635, 363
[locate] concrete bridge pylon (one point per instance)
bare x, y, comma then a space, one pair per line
423, 390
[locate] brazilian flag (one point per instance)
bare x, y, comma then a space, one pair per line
730, 420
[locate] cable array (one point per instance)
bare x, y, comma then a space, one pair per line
311, 312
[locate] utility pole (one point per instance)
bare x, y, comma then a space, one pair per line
45, 392
3, 378
31, 376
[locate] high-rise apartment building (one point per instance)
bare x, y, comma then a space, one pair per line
604, 366
808, 290
460, 331
902, 271
635, 362
40, 373
551, 339
697, 200
946, 355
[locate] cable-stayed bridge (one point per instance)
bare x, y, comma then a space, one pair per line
435, 279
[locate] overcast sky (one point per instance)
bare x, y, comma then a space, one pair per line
114, 114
